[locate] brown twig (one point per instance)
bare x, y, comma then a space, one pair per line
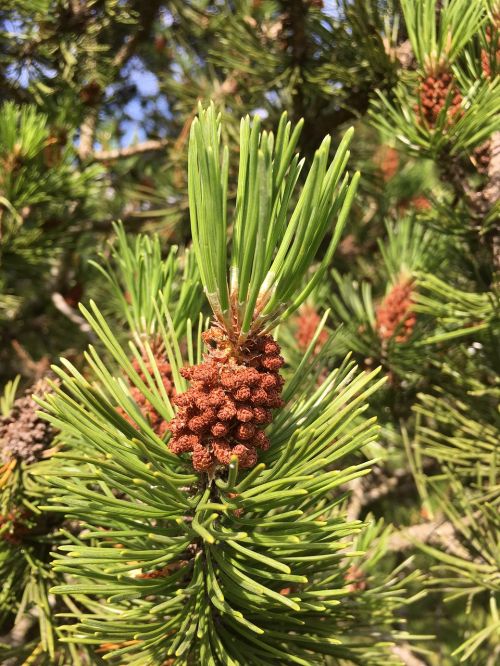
356, 502
129, 151
406, 655
31, 368
87, 132
295, 21
370, 489
71, 314
442, 534
148, 15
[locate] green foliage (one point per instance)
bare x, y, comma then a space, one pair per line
145, 288
203, 567
479, 119
98, 105
462, 434
271, 250
229, 548
434, 45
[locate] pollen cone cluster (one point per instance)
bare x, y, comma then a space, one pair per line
155, 420
229, 402
24, 436
307, 323
394, 315
435, 92
386, 159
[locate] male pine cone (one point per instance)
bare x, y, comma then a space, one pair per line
394, 315
24, 436
436, 91
229, 402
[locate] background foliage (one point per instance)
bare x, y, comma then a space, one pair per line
97, 102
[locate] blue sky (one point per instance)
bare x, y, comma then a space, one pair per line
146, 82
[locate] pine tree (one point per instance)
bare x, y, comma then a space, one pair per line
99, 101
195, 557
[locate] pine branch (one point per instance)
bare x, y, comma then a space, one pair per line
442, 534
296, 14
151, 145
356, 499
406, 655
404, 54
487, 198
87, 132
492, 191
30, 368
368, 490
60, 303
146, 20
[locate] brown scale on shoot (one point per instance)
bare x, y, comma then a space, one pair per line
229, 402
154, 419
394, 315
435, 91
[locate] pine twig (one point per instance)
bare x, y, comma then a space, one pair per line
35, 369
356, 500
146, 20
441, 534
69, 312
367, 490
406, 655
492, 196
296, 19
491, 193
87, 132
129, 151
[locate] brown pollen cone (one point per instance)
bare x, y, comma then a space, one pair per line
155, 420
307, 323
386, 159
229, 402
24, 436
435, 91
394, 315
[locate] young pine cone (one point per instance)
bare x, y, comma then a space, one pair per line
435, 92
394, 315
229, 402
24, 436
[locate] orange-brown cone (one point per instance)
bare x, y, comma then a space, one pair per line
394, 316
228, 402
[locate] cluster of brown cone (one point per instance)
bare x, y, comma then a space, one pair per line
24, 436
436, 91
229, 401
394, 316
307, 324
